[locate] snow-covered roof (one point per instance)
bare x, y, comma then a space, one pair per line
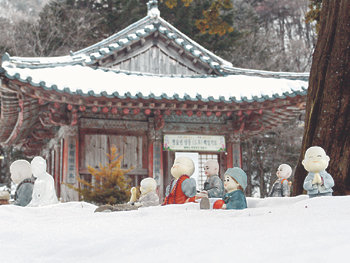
81, 80
75, 74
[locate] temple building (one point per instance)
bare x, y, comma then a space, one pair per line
149, 90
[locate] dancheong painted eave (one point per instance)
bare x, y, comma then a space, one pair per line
87, 81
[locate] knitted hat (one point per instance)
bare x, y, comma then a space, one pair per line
239, 175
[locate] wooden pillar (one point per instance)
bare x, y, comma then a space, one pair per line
234, 151
150, 158
229, 156
237, 154
70, 158
57, 149
158, 165
155, 156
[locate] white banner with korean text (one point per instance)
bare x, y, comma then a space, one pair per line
206, 143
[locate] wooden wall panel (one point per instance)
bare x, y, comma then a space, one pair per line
95, 150
96, 147
154, 61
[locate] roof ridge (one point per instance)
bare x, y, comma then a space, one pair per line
223, 61
114, 36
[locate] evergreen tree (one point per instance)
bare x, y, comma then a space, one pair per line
263, 153
213, 29
61, 28
267, 34
208, 22
314, 13
109, 184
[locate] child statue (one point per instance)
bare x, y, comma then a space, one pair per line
318, 182
235, 183
44, 187
148, 198
21, 175
213, 186
4, 197
281, 187
182, 188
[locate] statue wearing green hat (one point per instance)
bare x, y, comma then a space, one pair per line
235, 183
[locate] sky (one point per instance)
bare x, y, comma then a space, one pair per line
274, 230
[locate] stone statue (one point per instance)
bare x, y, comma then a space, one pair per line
21, 175
318, 182
182, 188
281, 187
213, 185
148, 197
4, 197
44, 187
235, 183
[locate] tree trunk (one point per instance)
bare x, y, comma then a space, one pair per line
327, 119
262, 184
249, 170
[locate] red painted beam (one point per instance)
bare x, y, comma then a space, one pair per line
229, 155
150, 159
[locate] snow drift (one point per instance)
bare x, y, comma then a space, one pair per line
294, 229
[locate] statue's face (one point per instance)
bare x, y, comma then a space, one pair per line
230, 184
15, 176
210, 169
315, 160
146, 188
283, 171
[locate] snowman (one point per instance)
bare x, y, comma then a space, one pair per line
44, 190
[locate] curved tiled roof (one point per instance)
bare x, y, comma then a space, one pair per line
86, 81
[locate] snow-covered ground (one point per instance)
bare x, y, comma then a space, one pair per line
296, 229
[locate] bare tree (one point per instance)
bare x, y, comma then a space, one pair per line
263, 153
58, 30
275, 35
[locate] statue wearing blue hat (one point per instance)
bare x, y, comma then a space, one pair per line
235, 183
